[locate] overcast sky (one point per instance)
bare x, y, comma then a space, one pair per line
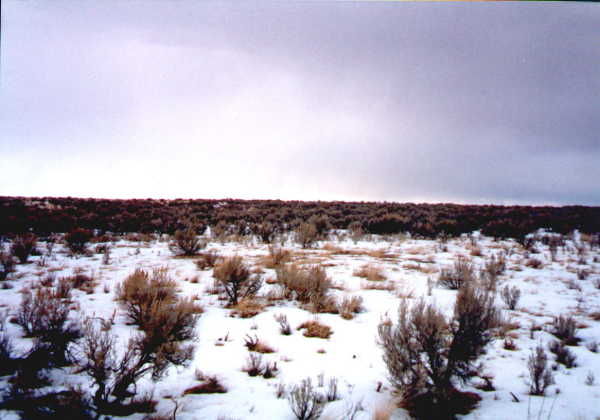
464, 102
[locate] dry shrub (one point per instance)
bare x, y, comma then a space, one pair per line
305, 402
389, 287
540, 376
314, 328
207, 260
306, 235
257, 345
45, 316
234, 276
306, 285
564, 356
460, 274
254, 364
426, 269
142, 292
247, 308
510, 296
277, 257
78, 239
595, 315
475, 250
115, 375
82, 282
7, 264
350, 306
284, 325
211, 385
425, 353
381, 253
186, 242
23, 246
370, 272
565, 328
533, 263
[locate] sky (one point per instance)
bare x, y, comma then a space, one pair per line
309, 100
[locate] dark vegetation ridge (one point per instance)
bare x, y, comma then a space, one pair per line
47, 215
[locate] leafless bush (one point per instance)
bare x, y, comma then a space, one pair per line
236, 279
582, 274
332, 389
565, 328
78, 239
186, 242
510, 296
23, 246
424, 352
540, 376
306, 235
150, 352
564, 356
284, 325
461, 273
254, 364
304, 401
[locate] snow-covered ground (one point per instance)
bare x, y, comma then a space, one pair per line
351, 354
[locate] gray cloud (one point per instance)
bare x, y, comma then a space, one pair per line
473, 102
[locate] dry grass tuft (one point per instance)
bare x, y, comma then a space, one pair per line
210, 386
370, 272
247, 308
314, 328
349, 306
389, 287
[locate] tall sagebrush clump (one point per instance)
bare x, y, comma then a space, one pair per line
78, 239
425, 353
235, 278
186, 242
23, 246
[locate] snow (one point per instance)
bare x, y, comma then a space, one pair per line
351, 354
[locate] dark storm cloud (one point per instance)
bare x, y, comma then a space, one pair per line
466, 102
